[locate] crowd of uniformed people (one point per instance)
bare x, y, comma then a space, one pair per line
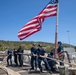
18, 56
37, 56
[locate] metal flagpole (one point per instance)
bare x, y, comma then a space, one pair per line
56, 32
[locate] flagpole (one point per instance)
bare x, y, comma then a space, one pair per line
56, 32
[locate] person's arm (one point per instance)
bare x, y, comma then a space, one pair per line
32, 51
61, 48
50, 56
43, 56
22, 50
35, 52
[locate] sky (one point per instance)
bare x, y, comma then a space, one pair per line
14, 14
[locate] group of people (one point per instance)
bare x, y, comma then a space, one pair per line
18, 56
39, 54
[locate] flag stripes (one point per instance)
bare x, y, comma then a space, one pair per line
35, 24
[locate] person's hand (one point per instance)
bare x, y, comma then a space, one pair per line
42, 56
34, 55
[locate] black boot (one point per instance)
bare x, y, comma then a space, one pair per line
50, 71
41, 71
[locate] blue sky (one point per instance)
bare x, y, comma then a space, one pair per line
14, 14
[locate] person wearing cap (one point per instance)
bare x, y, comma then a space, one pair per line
42, 57
9, 57
20, 52
33, 57
15, 57
60, 54
52, 63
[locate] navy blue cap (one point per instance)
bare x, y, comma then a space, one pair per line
39, 45
59, 42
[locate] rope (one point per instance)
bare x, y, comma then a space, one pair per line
71, 64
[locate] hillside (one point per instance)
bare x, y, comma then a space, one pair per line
26, 45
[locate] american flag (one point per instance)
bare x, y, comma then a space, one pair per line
35, 24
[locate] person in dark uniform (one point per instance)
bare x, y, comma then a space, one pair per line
33, 57
60, 55
15, 57
42, 56
20, 56
9, 57
52, 63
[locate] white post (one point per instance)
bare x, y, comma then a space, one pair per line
56, 32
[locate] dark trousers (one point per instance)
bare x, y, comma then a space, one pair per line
15, 59
9, 60
20, 56
52, 64
46, 64
34, 60
62, 59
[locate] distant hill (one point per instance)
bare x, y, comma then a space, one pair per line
27, 45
